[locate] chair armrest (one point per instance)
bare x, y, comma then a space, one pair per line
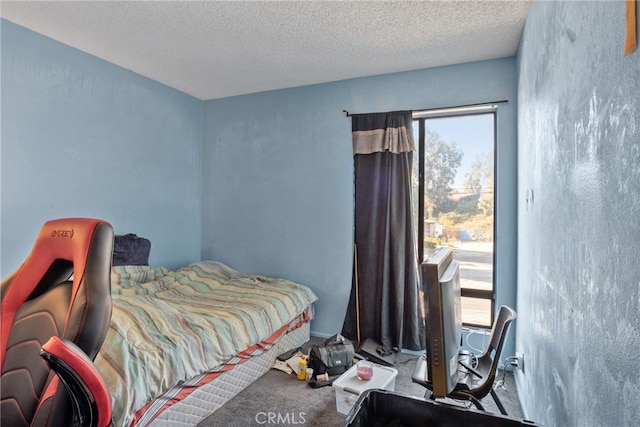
89, 394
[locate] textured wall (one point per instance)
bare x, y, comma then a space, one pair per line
579, 217
278, 174
83, 137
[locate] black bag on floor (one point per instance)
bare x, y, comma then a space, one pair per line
335, 357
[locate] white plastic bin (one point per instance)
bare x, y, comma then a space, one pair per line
349, 387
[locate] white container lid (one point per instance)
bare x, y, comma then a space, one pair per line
349, 381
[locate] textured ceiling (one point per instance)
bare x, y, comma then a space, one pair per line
215, 49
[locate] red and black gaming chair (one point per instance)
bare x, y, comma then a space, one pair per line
57, 305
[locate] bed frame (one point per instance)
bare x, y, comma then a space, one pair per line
206, 399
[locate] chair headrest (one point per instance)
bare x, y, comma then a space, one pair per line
62, 239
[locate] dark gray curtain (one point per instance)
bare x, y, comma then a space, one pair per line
387, 283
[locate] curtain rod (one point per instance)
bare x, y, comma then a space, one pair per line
503, 101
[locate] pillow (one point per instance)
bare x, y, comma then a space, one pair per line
139, 280
130, 249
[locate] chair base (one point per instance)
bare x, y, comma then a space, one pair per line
420, 373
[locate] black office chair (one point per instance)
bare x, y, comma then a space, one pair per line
57, 306
478, 380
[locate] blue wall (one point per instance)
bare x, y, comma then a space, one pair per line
269, 191
579, 246
278, 175
83, 137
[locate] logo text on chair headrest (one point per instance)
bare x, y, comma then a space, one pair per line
62, 233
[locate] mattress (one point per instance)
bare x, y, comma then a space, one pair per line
207, 398
173, 327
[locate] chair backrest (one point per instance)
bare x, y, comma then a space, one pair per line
499, 331
62, 289
490, 358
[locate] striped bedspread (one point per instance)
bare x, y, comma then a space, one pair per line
170, 326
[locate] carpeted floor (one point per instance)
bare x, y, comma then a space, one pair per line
281, 399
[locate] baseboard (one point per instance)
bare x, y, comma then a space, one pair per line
518, 378
320, 334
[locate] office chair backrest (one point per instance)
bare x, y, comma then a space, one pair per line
489, 360
40, 300
499, 331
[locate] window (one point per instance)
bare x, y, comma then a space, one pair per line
453, 189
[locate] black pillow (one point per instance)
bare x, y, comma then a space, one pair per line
129, 249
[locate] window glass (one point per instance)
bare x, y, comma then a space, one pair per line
453, 184
476, 311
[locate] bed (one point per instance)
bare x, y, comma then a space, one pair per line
182, 343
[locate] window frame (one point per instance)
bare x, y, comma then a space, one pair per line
453, 112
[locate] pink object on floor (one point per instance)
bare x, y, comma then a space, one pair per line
365, 370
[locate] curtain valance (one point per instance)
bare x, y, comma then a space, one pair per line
380, 132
